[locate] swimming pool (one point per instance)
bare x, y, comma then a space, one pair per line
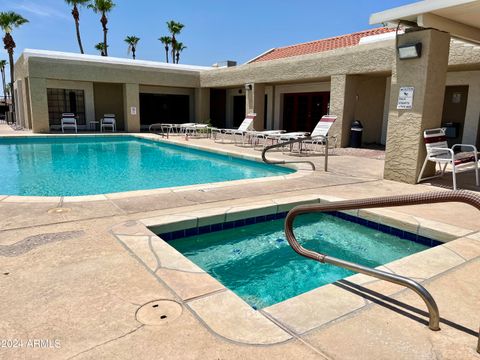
88, 165
256, 262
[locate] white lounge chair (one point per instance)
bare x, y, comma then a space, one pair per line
316, 137
245, 126
69, 123
108, 122
439, 153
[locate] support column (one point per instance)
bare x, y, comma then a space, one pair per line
202, 105
343, 92
405, 149
131, 104
39, 105
255, 103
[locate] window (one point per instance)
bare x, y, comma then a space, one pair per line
65, 101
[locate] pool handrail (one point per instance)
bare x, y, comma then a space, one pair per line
291, 142
387, 201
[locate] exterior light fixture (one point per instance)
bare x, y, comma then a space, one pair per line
410, 51
248, 87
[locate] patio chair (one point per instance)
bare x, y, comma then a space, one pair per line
316, 137
439, 153
69, 123
108, 122
246, 125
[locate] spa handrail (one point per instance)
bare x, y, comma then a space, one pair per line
387, 201
291, 142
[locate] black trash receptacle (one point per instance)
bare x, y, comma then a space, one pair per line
356, 132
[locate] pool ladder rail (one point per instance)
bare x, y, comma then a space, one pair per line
291, 143
387, 201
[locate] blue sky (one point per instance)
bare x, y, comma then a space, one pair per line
215, 30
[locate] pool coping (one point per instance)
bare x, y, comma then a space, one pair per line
299, 173
205, 297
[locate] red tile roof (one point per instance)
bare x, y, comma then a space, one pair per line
321, 45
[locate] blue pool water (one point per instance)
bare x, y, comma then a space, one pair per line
97, 165
257, 263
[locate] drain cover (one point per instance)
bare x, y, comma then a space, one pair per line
159, 312
59, 210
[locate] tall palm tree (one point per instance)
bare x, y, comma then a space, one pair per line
76, 17
103, 7
8, 21
3, 64
179, 47
101, 47
166, 40
175, 28
132, 42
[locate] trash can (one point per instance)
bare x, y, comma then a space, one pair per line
356, 132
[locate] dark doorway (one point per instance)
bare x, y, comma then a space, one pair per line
163, 108
239, 104
65, 101
302, 111
454, 111
218, 107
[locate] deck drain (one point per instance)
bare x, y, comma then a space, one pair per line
59, 210
158, 312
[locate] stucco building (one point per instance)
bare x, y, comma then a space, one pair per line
355, 76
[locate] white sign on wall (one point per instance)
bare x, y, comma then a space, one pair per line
405, 98
133, 110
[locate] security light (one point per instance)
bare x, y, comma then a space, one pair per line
411, 51
248, 86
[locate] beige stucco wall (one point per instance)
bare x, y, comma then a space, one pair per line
369, 106
371, 58
109, 100
123, 74
405, 150
472, 116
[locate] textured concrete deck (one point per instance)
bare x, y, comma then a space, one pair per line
65, 277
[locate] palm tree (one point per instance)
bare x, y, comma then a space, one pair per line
166, 40
101, 47
175, 28
76, 17
132, 42
179, 47
8, 21
103, 7
3, 63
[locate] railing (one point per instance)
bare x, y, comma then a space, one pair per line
388, 201
291, 142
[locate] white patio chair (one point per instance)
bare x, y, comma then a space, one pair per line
439, 153
108, 122
69, 123
316, 137
246, 125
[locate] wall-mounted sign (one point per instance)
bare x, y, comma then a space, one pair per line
133, 110
457, 98
405, 98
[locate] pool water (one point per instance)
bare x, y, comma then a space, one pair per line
257, 263
87, 165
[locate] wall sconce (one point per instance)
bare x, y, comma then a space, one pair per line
410, 51
248, 87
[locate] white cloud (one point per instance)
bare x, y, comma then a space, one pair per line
40, 10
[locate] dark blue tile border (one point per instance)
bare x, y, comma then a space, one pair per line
259, 219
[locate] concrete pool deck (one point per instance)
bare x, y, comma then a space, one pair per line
66, 277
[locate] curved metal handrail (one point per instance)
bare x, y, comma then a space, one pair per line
291, 142
387, 201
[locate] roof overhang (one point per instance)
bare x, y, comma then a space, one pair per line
461, 18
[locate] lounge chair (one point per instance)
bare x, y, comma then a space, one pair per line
439, 153
245, 126
316, 137
108, 122
69, 123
